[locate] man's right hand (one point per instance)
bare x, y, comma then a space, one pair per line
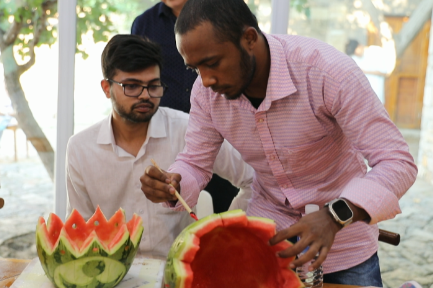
156, 185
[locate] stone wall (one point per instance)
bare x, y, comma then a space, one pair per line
425, 156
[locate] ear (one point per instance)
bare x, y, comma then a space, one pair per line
250, 38
106, 88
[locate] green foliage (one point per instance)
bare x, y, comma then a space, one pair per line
253, 6
93, 16
301, 6
29, 14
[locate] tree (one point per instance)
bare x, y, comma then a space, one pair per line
26, 24
420, 15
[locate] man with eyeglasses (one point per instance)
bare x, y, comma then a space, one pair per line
105, 161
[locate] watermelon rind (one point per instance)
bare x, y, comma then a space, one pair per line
178, 272
120, 252
236, 218
136, 230
79, 274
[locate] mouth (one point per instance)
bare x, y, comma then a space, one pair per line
143, 107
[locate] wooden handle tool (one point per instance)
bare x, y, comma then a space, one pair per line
389, 237
185, 205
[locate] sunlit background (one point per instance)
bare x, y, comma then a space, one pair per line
371, 22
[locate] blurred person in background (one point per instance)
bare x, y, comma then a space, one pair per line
375, 61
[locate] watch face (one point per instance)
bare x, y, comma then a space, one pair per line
342, 210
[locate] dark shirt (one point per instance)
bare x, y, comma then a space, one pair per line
157, 24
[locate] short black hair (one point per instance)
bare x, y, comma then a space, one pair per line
129, 53
228, 18
351, 46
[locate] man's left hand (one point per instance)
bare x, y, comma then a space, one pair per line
316, 230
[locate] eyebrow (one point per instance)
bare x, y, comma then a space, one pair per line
139, 81
204, 60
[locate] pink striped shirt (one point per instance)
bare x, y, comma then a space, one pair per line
307, 143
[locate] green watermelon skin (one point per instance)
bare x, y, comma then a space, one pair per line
124, 255
62, 256
179, 273
94, 271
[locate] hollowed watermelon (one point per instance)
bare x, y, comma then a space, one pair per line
96, 253
229, 250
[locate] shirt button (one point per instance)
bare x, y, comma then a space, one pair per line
141, 211
272, 157
261, 120
284, 186
137, 186
186, 89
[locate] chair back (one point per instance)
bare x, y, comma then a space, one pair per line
204, 204
2, 203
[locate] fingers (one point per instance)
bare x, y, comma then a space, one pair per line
155, 185
294, 250
284, 234
310, 254
316, 232
310, 250
322, 256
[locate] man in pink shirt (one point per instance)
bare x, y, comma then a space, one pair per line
304, 116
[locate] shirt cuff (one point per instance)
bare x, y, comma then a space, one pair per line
380, 203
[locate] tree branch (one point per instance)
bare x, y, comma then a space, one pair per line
375, 14
38, 30
410, 29
2, 33
12, 34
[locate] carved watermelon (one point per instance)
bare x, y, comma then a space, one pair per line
96, 253
229, 250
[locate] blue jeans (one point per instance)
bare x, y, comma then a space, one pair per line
364, 274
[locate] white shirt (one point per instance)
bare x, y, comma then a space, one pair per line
101, 173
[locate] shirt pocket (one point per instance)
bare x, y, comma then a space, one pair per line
311, 158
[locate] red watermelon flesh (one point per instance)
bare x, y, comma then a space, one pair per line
79, 233
234, 252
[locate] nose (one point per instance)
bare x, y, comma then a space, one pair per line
144, 94
207, 79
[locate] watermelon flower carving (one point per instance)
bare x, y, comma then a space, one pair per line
96, 253
229, 250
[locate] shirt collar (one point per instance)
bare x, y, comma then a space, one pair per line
157, 126
105, 135
156, 129
280, 83
165, 10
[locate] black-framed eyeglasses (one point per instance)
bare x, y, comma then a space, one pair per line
135, 90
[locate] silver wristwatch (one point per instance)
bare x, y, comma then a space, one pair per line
340, 211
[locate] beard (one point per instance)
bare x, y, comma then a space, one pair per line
248, 69
131, 116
